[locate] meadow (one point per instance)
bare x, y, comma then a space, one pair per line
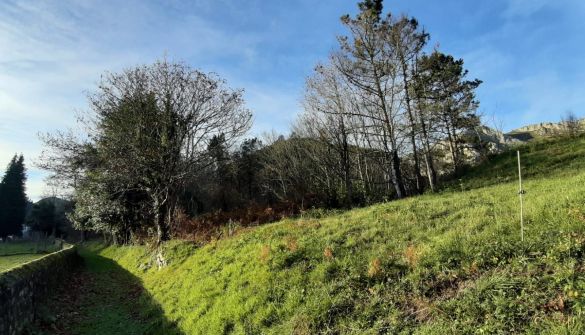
444, 263
16, 253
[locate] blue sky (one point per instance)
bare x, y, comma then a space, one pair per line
529, 53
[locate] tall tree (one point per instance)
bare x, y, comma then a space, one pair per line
248, 166
150, 128
13, 200
369, 63
43, 218
451, 98
223, 173
327, 117
409, 40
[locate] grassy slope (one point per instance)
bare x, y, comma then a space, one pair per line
436, 264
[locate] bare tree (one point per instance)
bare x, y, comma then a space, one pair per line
408, 41
571, 124
327, 117
369, 63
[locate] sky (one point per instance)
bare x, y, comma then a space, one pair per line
529, 53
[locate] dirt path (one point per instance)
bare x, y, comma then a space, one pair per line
100, 298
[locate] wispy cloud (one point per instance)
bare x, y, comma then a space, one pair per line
545, 96
53, 52
524, 8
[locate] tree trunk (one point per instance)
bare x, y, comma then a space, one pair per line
396, 175
347, 171
162, 231
412, 123
452, 148
431, 172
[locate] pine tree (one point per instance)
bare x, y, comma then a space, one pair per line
13, 198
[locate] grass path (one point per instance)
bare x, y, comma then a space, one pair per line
101, 298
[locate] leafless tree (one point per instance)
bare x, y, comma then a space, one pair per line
328, 117
369, 63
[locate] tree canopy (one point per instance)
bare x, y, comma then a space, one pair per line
150, 128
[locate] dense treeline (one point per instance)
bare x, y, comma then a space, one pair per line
383, 119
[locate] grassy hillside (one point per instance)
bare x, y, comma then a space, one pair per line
437, 264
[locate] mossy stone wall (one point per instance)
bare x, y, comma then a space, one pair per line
22, 287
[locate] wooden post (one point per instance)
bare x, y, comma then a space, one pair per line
520, 194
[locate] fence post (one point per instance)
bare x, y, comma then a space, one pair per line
520, 194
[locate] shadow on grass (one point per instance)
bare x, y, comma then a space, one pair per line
101, 298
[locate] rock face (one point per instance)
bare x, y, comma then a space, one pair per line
544, 129
484, 140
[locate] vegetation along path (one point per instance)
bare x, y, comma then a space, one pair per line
101, 298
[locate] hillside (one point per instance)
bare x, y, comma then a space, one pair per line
440, 263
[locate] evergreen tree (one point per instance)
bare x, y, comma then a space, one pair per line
13, 199
248, 161
223, 172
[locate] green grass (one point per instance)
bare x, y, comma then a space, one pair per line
9, 262
13, 254
99, 298
436, 264
26, 247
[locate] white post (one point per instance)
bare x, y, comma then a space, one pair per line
520, 193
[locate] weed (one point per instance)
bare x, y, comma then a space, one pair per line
328, 253
375, 268
411, 255
265, 253
291, 243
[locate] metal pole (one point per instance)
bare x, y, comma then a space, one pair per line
520, 193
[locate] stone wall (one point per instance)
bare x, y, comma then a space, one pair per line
23, 286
